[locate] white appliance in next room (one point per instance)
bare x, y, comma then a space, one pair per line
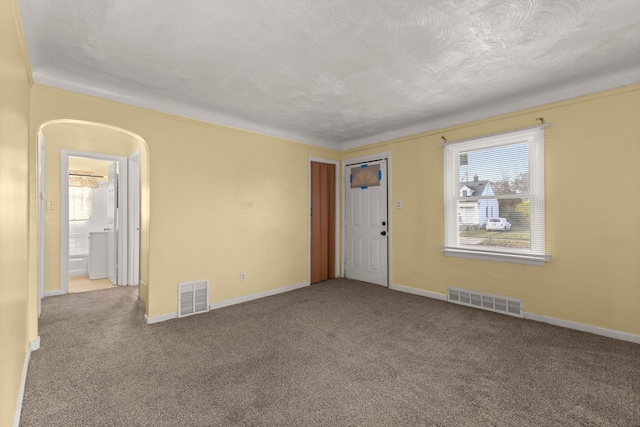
98, 255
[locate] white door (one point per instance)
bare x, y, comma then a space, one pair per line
112, 225
366, 223
134, 219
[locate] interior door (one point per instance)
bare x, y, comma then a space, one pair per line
323, 231
366, 223
112, 224
134, 219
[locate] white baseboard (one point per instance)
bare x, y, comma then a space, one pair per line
414, 291
52, 293
226, 303
624, 336
161, 318
33, 346
233, 301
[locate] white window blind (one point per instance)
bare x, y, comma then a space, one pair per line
494, 197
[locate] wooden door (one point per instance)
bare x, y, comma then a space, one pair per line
323, 221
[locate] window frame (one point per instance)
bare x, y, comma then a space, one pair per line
536, 255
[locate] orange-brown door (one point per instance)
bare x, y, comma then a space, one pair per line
323, 221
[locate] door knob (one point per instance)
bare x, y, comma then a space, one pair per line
384, 223
384, 233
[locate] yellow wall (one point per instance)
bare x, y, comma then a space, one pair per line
592, 149
225, 201
222, 201
14, 180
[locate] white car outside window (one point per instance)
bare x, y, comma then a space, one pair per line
498, 224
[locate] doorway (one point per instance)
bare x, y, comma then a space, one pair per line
323, 212
366, 220
92, 210
323, 221
72, 138
106, 238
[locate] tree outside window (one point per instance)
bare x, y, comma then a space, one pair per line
497, 180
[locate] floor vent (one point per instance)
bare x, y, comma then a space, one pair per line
193, 298
499, 304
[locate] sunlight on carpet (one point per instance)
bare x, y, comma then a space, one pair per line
83, 284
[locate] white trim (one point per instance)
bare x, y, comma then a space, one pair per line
33, 346
384, 155
609, 333
136, 98
133, 264
337, 268
369, 158
623, 336
550, 94
162, 318
41, 214
511, 257
229, 302
53, 293
246, 298
420, 292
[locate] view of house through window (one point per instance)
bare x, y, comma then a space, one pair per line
494, 193
493, 206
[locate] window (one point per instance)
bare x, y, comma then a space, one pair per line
494, 197
79, 203
80, 185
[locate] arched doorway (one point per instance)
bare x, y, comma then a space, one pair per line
60, 140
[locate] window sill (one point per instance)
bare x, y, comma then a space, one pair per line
512, 257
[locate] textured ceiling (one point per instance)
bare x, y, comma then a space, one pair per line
334, 72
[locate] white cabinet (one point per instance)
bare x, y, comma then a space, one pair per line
98, 255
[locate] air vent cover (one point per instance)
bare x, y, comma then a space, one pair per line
193, 298
499, 304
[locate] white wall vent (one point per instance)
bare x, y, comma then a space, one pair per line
499, 304
193, 298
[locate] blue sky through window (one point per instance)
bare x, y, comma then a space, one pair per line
494, 164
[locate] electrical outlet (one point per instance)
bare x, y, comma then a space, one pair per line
399, 204
243, 277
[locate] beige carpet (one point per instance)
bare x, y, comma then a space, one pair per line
340, 353
83, 284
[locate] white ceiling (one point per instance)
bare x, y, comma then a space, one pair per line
337, 73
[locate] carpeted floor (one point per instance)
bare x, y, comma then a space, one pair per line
340, 353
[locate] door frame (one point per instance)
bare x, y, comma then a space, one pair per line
123, 228
384, 155
338, 270
41, 223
